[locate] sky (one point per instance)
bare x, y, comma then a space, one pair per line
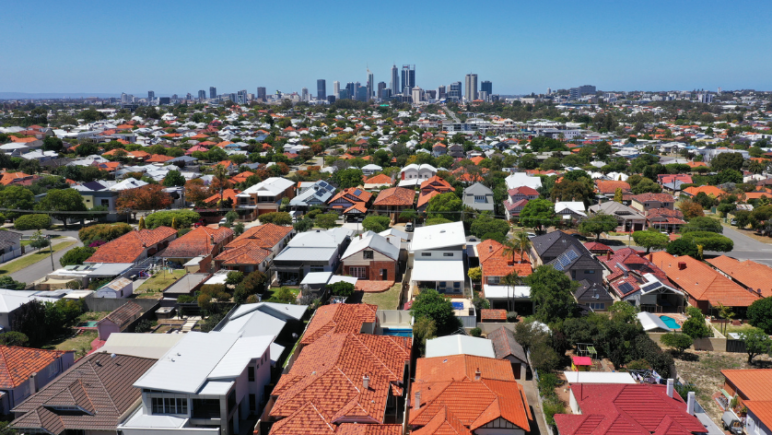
171, 46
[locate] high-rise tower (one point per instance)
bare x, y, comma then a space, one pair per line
370, 85
321, 89
394, 85
471, 87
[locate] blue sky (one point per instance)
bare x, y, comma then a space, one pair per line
521, 46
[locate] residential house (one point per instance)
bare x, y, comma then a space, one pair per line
517, 198
456, 150
629, 219
438, 257
570, 211
119, 319
254, 249
134, 246
352, 203
493, 402
98, 194
711, 191
753, 390
312, 251
752, 276
317, 194
705, 287
90, 398
478, 197
632, 277
673, 182
507, 348
18, 179
647, 201
608, 188
393, 201
26, 370
665, 219
10, 245
265, 196
379, 181
431, 188
206, 383
593, 295
371, 257
202, 242
566, 254
371, 169
520, 179
606, 409
413, 175
497, 264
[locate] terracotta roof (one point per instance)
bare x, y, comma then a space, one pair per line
226, 195
523, 190
159, 158
660, 197
265, 236
627, 409
397, 196
609, 187
246, 254
424, 198
14, 177
636, 265
495, 263
99, 383
130, 246
18, 363
462, 367
708, 190
200, 241
339, 318
437, 184
754, 384
748, 273
379, 179
596, 247
242, 177
702, 282
124, 315
491, 314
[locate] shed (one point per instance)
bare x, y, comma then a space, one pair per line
581, 363
119, 319
116, 289
506, 347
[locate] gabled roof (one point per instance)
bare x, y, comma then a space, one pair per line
265, 236
753, 384
505, 345
708, 190
395, 196
371, 240
339, 318
200, 241
555, 242
437, 184
495, 263
438, 236
379, 179
748, 273
462, 367
18, 363
270, 186
128, 247
659, 197
124, 315
609, 187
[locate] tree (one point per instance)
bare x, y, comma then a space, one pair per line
537, 214
544, 358
238, 229
141, 225
341, 288
568, 190
726, 314
704, 200
704, 224
682, 246
276, 218
9, 283
436, 221
727, 161
145, 198
679, 342
552, 291
174, 178
76, 256
326, 220
167, 218
710, 241
432, 305
16, 197
53, 143
651, 239
303, 225
13, 338
30, 320
196, 191
618, 195
234, 277
283, 296
646, 185
760, 314
39, 241
475, 274
487, 224
691, 209
376, 224
757, 342
445, 205
695, 325
598, 224
102, 232
346, 178
529, 334
33, 222
65, 200
424, 329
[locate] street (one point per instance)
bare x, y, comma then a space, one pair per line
43, 267
747, 248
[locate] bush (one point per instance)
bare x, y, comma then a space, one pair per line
103, 232
544, 358
143, 325
679, 342
437, 221
682, 246
9, 283
376, 223
710, 241
276, 218
234, 277
303, 225
13, 338
183, 218
695, 327
33, 222
341, 288
213, 289
186, 299
475, 332
326, 220
638, 364
760, 314
552, 407
76, 256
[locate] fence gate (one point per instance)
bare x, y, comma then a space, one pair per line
737, 346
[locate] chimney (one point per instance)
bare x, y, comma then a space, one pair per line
670, 387
417, 404
651, 257
608, 255
477, 374
32, 387
366, 382
490, 248
690, 401
681, 265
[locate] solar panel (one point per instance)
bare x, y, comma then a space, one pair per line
626, 287
649, 287
565, 259
357, 192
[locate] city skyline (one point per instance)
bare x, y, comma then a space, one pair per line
678, 49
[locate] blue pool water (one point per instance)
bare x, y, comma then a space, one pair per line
457, 305
398, 332
670, 322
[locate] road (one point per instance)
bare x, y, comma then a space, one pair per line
41, 268
747, 248
452, 115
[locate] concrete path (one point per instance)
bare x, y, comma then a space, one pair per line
539, 426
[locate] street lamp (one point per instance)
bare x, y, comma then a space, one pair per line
51, 250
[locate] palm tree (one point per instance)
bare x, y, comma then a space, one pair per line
523, 242
511, 280
221, 174
511, 246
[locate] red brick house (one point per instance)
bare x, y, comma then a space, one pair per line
134, 246
202, 242
371, 257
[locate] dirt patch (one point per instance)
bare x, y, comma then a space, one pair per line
703, 369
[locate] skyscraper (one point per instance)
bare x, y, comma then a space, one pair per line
336, 89
304, 94
487, 86
381, 88
417, 94
441, 92
212, 92
261, 94
321, 89
124, 98
394, 85
201, 95
370, 84
241, 96
350, 90
455, 91
150, 96
471, 87
408, 79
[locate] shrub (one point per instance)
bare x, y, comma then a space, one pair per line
13, 338
276, 218
185, 299
679, 342
638, 364
33, 222
102, 232
213, 289
143, 325
760, 314
552, 407
376, 223
76, 256
710, 241
234, 277
341, 288
182, 218
475, 332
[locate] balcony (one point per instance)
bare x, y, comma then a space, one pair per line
206, 409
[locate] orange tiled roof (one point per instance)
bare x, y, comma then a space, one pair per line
226, 195
266, 236
708, 190
748, 273
491, 314
494, 263
158, 158
379, 179
424, 198
351, 196
13, 177
609, 187
339, 318
18, 363
754, 384
242, 177
199, 241
395, 196
437, 184
462, 367
129, 247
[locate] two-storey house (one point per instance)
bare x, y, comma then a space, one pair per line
438, 258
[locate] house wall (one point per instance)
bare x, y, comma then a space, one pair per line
105, 328
754, 426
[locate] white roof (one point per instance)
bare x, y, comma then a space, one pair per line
372, 241
411, 182
395, 232
128, 183
507, 291
270, 186
256, 323
459, 345
275, 309
424, 166
519, 179
575, 206
291, 253
598, 377
316, 278
651, 321
153, 421
245, 349
438, 236
215, 388
372, 167
428, 270
140, 345
318, 239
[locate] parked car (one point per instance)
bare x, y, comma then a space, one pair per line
731, 423
223, 221
409, 227
734, 222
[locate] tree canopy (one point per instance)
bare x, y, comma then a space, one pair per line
538, 213
432, 305
598, 224
552, 291
651, 239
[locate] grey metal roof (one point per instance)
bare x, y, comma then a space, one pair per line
505, 345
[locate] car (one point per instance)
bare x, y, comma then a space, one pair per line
734, 222
531, 235
731, 423
223, 221
409, 227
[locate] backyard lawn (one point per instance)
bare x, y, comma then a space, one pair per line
158, 282
17, 265
387, 300
80, 343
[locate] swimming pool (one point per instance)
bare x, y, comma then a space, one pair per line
670, 322
88, 324
398, 332
457, 305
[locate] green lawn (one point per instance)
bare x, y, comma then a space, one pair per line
80, 343
17, 265
268, 296
159, 281
387, 300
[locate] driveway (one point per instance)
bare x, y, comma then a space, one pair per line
538, 426
747, 248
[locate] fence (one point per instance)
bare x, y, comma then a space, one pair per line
8, 256
105, 304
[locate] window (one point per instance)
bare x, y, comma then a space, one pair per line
479, 198
316, 269
426, 254
169, 405
457, 285
368, 255
447, 254
251, 374
597, 305
573, 274
494, 280
358, 272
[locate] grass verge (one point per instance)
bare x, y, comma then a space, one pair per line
17, 265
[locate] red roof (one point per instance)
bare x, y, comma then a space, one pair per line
396, 196
596, 247
581, 360
491, 314
339, 318
18, 363
523, 190
226, 195
200, 241
609, 187
130, 246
